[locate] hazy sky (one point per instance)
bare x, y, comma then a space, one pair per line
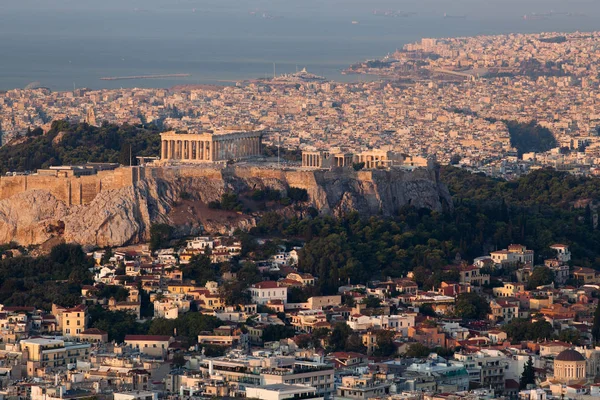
478, 7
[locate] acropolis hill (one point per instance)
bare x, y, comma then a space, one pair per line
104, 205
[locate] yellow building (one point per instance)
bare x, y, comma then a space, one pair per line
304, 278
71, 321
181, 288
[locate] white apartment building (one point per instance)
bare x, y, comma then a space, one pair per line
266, 291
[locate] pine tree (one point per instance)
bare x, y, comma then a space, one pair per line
528, 376
596, 326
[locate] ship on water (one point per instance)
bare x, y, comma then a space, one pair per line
449, 16
302, 76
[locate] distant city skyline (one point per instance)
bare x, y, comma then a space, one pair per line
65, 43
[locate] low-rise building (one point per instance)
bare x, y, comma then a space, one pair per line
152, 345
44, 355
266, 291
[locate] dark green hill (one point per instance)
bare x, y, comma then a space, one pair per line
68, 143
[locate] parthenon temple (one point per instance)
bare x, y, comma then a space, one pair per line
210, 147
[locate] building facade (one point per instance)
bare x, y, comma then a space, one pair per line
211, 146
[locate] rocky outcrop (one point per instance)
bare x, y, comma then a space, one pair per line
178, 196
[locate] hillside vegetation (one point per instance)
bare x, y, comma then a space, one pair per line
537, 211
68, 143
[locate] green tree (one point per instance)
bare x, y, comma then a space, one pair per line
159, 235
540, 276
519, 330
385, 343
200, 269
234, 293
339, 336
417, 350
372, 302
354, 343
178, 360
570, 335
471, 306
528, 375
277, 332
358, 166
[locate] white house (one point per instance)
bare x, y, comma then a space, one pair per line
266, 291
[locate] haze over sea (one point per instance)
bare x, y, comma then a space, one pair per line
61, 43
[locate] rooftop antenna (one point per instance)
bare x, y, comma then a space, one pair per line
273, 70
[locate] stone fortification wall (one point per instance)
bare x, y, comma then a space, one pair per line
71, 190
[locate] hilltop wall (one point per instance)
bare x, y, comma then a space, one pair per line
71, 190
118, 207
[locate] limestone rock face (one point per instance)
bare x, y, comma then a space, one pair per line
31, 217
178, 196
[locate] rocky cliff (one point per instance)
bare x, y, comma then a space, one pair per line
178, 196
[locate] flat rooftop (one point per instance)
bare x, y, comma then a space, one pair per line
282, 387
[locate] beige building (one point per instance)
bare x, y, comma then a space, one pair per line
152, 345
282, 392
372, 159
43, 355
379, 158
569, 367
364, 387
325, 159
512, 256
210, 146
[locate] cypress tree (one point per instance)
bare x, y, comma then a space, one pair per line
528, 376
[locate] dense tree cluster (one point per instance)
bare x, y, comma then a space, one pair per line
471, 306
536, 210
539, 277
528, 137
229, 202
160, 235
68, 143
39, 282
519, 330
